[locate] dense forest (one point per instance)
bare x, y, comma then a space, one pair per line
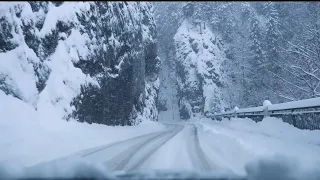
272, 48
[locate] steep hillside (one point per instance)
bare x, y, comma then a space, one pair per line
92, 61
199, 58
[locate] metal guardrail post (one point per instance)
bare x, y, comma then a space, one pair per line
294, 121
266, 112
235, 112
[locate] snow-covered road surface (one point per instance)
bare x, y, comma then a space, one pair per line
203, 146
176, 147
140, 153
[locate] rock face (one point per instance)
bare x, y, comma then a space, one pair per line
92, 61
199, 58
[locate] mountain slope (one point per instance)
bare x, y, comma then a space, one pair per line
199, 58
92, 61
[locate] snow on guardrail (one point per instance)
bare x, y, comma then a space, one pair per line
274, 108
306, 103
252, 109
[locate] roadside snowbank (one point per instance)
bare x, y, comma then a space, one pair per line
276, 128
29, 137
236, 142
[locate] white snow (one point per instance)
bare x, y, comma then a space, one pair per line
77, 45
150, 108
66, 13
236, 142
168, 91
65, 76
266, 103
15, 66
267, 149
64, 80
173, 155
201, 54
253, 109
296, 104
306, 103
29, 137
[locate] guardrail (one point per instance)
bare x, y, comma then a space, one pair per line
303, 114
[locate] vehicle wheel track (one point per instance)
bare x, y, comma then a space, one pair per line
114, 163
154, 149
122, 142
199, 157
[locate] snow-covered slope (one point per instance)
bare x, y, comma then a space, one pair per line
199, 57
28, 137
93, 61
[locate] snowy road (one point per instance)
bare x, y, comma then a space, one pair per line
178, 145
203, 146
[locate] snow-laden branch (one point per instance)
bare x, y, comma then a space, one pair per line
301, 48
310, 74
283, 96
305, 90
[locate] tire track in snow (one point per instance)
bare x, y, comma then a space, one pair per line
129, 159
91, 151
151, 135
222, 151
198, 157
155, 148
121, 160
88, 153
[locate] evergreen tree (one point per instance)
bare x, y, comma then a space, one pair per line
256, 84
271, 64
273, 36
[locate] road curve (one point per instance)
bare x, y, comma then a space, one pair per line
131, 154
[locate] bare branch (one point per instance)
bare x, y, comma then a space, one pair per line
301, 48
305, 90
285, 97
310, 74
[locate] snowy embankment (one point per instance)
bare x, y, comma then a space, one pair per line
29, 137
237, 144
200, 56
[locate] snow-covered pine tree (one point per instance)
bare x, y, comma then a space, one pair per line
272, 34
256, 84
272, 61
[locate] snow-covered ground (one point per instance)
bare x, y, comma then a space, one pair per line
28, 137
270, 148
236, 142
